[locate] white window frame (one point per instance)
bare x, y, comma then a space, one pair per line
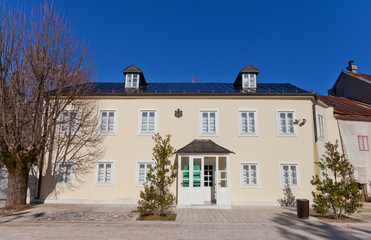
249, 85
216, 133
115, 117
137, 183
68, 131
321, 126
281, 164
58, 165
242, 184
129, 84
113, 163
248, 134
140, 132
279, 133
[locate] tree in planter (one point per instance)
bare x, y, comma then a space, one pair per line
156, 198
289, 199
337, 193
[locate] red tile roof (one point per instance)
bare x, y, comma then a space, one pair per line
362, 75
345, 106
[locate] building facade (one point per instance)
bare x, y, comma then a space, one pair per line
240, 142
354, 121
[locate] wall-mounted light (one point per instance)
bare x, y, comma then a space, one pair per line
300, 122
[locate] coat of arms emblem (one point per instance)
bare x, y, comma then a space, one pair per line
178, 113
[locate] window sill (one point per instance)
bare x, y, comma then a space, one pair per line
287, 135
209, 134
146, 133
321, 138
294, 187
248, 135
107, 134
251, 186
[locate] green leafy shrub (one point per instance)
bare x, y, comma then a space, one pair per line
336, 193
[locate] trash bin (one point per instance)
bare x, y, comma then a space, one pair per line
302, 207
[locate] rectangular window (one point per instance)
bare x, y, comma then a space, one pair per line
208, 122
108, 121
68, 122
142, 171
64, 173
105, 173
249, 175
132, 80
363, 143
285, 123
248, 122
148, 122
321, 129
248, 80
289, 175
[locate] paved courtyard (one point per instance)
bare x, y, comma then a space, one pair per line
108, 222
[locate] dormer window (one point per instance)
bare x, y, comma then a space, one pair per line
132, 80
249, 80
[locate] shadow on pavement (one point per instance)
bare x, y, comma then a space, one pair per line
290, 227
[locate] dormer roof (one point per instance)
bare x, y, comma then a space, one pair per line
248, 69
135, 70
132, 69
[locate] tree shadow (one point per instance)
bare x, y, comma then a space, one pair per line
291, 227
72, 155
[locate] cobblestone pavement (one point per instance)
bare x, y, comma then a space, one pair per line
112, 222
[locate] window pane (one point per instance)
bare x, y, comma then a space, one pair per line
151, 125
205, 122
135, 80
244, 122
212, 122
245, 80
144, 121
111, 118
251, 122
283, 122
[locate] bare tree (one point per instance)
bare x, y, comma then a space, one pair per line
44, 70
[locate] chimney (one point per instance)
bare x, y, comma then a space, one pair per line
351, 67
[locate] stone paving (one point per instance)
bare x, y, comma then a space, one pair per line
112, 222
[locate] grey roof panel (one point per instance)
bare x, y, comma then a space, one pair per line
118, 88
203, 146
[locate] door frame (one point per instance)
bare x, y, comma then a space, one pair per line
194, 195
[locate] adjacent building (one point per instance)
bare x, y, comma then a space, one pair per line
354, 122
353, 85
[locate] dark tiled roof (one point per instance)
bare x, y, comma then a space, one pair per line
203, 146
132, 69
345, 106
249, 69
362, 75
117, 88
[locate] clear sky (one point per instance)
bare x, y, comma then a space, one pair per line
303, 42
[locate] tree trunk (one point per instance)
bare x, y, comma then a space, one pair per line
17, 187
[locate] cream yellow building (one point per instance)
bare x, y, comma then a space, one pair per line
238, 143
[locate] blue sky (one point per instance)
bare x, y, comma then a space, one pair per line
306, 43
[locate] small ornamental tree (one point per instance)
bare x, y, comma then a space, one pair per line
156, 199
289, 199
336, 193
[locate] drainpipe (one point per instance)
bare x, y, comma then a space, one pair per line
316, 154
315, 118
